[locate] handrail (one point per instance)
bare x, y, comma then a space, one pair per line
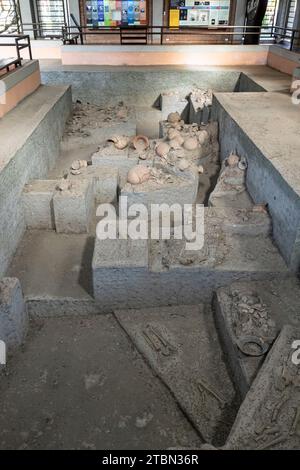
78, 27
226, 33
233, 33
17, 43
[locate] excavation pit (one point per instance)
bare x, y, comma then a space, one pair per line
157, 291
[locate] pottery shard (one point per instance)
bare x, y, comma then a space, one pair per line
138, 174
191, 143
120, 141
141, 143
163, 149
174, 118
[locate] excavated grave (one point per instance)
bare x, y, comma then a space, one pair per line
91, 124
141, 273
182, 347
230, 190
174, 101
269, 417
167, 185
249, 317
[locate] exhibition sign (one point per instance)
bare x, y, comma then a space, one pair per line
116, 13
201, 13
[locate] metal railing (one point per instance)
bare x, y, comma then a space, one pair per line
183, 35
163, 35
17, 41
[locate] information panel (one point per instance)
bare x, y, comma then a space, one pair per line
116, 13
202, 13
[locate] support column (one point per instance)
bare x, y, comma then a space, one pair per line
157, 17
25, 10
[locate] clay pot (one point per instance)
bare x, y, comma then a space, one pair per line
138, 174
120, 141
162, 149
183, 165
191, 143
180, 139
141, 143
233, 160
173, 118
173, 134
203, 137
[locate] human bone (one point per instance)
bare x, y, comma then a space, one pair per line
138, 174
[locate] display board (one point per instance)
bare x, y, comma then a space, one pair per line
116, 13
202, 13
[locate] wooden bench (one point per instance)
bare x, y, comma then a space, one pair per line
6, 63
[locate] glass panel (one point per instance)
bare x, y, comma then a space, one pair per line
9, 17
51, 15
